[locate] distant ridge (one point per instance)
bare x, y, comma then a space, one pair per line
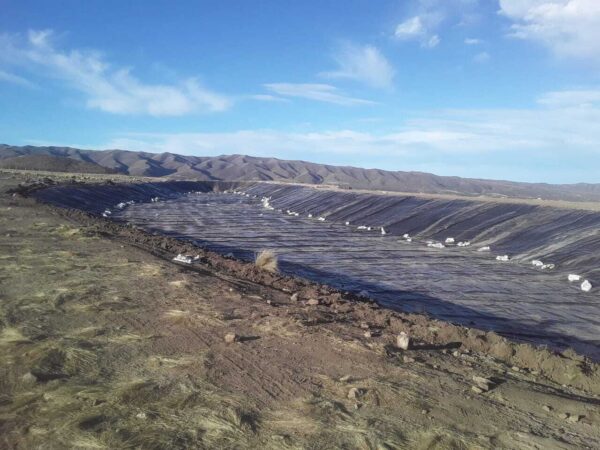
248, 168
52, 164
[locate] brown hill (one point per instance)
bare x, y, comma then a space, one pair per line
53, 164
245, 168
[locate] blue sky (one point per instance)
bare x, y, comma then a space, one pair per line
503, 89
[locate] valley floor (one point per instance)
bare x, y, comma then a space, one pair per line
106, 345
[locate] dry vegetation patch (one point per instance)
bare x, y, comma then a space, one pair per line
267, 260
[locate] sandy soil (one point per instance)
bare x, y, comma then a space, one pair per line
106, 343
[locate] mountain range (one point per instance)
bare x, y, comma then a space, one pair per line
249, 168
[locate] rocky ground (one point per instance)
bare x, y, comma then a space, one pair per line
106, 343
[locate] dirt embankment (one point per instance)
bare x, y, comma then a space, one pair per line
106, 343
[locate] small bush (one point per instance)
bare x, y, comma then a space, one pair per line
266, 260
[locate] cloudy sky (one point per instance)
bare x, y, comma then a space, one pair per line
504, 89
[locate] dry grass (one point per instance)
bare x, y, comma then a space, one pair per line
266, 260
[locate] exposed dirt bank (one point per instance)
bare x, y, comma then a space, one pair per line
109, 344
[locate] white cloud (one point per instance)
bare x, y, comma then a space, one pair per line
432, 42
315, 91
15, 79
426, 23
539, 143
576, 98
473, 41
419, 28
482, 57
267, 98
410, 28
106, 88
363, 63
569, 28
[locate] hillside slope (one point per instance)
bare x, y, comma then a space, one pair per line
245, 168
53, 164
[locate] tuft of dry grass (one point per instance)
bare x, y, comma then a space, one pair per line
266, 260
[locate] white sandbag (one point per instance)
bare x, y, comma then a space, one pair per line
187, 259
403, 341
436, 245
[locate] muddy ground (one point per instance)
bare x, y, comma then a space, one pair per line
106, 343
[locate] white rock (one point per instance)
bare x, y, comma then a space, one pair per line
406, 235
361, 227
586, 286
573, 277
355, 393
484, 249
347, 223
309, 215
230, 338
321, 219
408, 239
463, 244
383, 233
548, 266
450, 240
502, 258
537, 263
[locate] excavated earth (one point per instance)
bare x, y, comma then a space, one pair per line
457, 284
107, 343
